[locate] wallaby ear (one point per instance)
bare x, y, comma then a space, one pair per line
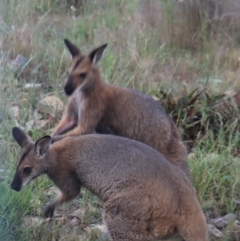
97, 54
20, 137
74, 50
42, 145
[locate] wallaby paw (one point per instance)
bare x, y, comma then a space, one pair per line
49, 211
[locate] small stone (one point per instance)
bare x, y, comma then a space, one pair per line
40, 124
50, 105
101, 227
236, 225
75, 222
103, 230
192, 155
229, 218
30, 221
218, 222
230, 93
105, 237
222, 222
14, 112
20, 61
36, 202
236, 201
79, 213
214, 231
60, 220
37, 115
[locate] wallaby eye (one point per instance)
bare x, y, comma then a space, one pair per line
27, 170
83, 75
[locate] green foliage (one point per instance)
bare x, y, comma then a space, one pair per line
200, 112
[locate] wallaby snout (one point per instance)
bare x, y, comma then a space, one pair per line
144, 196
16, 183
69, 87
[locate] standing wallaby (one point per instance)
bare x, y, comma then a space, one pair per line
144, 196
94, 105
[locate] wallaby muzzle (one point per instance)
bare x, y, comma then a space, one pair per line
16, 183
69, 87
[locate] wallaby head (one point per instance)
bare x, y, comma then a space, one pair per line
30, 164
83, 72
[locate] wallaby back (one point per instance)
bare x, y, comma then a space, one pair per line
144, 196
96, 106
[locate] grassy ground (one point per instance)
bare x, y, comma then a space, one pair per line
138, 56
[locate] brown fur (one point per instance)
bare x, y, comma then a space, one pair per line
144, 196
94, 105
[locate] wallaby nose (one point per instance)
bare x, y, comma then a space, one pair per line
15, 186
69, 88
16, 183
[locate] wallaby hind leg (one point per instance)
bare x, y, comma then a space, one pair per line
194, 227
120, 230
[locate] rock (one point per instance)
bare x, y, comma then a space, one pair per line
35, 202
74, 222
101, 227
79, 213
59, 220
14, 112
105, 237
236, 226
235, 233
230, 93
214, 231
222, 222
37, 115
41, 124
229, 218
192, 155
20, 62
50, 105
30, 221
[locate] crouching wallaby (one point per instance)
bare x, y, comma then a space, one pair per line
96, 106
144, 196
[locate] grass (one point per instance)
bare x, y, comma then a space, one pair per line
140, 55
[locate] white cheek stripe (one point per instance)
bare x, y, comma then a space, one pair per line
24, 184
